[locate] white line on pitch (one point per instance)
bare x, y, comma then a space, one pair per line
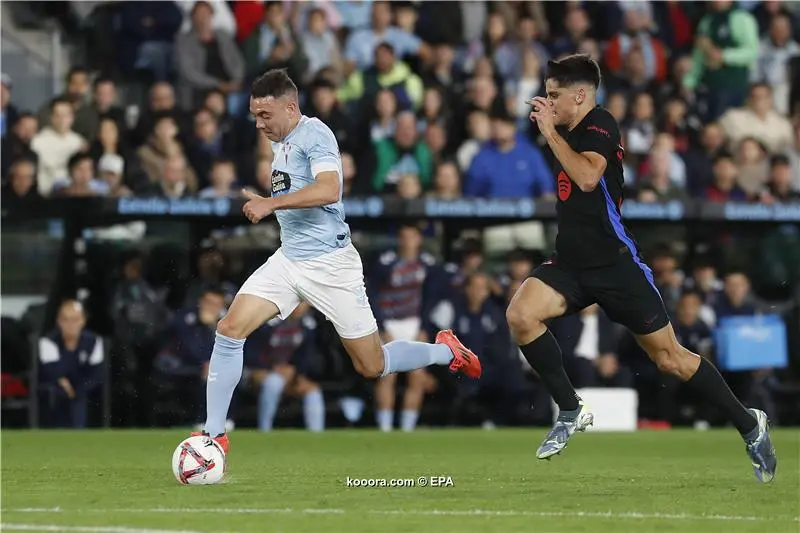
86, 529
633, 515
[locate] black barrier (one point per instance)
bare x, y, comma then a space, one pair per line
373, 207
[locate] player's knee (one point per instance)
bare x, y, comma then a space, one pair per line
232, 328
370, 369
522, 321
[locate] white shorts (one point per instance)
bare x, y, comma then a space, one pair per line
332, 283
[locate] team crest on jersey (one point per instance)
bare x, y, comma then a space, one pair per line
286, 149
564, 186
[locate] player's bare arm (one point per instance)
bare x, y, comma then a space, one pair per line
585, 168
324, 191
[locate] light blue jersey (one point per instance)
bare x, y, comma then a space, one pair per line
310, 148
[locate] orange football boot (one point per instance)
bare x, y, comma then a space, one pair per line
222, 440
463, 359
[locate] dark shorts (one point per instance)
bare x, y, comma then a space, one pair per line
625, 291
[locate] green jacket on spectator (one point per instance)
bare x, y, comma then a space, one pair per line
388, 155
735, 32
366, 85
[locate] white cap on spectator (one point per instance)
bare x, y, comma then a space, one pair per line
111, 163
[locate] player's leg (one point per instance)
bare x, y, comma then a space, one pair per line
413, 396
266, 293
385, 393
551, 293
627, 293
702, 376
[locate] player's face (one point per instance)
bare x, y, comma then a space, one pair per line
273, 116
565, 101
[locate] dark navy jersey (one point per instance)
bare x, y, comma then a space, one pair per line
81, 366
282, 342
399, 288
590, 228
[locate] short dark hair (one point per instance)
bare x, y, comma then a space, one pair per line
103, 79
578, 68
78, 158
275, 83
59, 100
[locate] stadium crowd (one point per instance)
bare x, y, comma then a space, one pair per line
426, 99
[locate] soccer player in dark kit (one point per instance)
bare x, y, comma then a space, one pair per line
596, 261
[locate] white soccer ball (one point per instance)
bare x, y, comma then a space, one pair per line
198, 461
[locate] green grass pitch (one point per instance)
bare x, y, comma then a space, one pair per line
289, 481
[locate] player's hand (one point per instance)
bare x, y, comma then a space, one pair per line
257, 207
542, 114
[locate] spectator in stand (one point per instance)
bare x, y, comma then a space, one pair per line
656, 185
103, 105
161, 101
772, 66
633, 78
692, 332
8, 112
280, 355
724, 187
211, 271
779, 185
325, 106
360, 50
320, 46
111, 170
479, 132
752, 162
163, 144
109, 142
207, 144
207, 59
725, 50
16, 143
577, 27
70, 367
758, 119
522, 88
381, 121
737, 298
705, 282
590, 346
81, 179
222, 19
400, 287
21, 183
509, 166
55, 145
636, 36
386, 73
641, 130
145, 37
348, 174
446, 181
443, 73
519, 268
76, 94
174, 178
274, 44
700, 159
222, 178
403, 154
678, 122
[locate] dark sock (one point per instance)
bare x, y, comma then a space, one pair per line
544, 355
709, 382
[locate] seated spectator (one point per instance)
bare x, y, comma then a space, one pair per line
55, 145
206, 144
700, 159
772, 65
279, 356
705, 282
207, 59
682, 125
76, 94
160, 102
109, 142
274, 44
446, 181
519, 268
103, 105
163, 144
690, 330
520, 90
737, 298
222, 19
387, 73
509, 166
110, 170
779, 184
21, 185
758, 119
724, 187
16, 143
320, 46
408, 187
211, 271
174, 181
576, 26
590, 346
752, 163
403, 154
70, 367
435, 138
81, 181
223, 178
361, 44
325, 106
382, 120
348, 174
479, 132
8, 111
641, 130
656, 185
636, 36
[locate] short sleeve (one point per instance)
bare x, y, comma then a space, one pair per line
322, 150
601, 136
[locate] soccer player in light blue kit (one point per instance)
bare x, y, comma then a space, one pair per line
316, 262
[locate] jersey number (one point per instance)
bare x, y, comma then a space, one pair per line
281, 183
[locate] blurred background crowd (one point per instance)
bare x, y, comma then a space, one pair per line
426, 99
